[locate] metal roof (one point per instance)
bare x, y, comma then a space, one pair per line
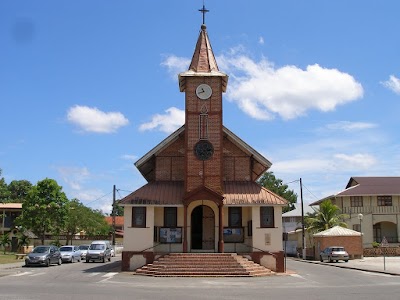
172, 193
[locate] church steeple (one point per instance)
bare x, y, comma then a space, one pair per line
203, 62
203, 59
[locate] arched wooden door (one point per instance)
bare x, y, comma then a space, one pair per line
203, 228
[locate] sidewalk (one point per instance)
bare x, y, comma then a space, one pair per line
386, 265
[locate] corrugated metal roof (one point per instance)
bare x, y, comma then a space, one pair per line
250, 193
172, 193
338, 231
365, 186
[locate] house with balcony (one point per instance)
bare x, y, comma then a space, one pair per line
372, 206
8, 213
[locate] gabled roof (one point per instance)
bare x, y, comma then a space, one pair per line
368, 186
337, 231
145, 162
296, 212
172, 193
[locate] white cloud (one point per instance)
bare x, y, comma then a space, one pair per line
350, 126
169, 122
393, 84
74, 176
261, 40
129, 157
303, 165
91, 119
356, 161
176, 65
263, 91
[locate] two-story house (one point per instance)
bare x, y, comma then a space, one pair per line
372, 205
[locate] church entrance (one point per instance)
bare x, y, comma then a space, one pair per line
203, 228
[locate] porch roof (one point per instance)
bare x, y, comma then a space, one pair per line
172, 193
10, 205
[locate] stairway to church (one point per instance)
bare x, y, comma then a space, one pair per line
203, 265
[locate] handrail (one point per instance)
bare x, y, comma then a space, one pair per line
150, 247
264, 251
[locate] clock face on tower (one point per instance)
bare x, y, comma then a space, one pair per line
203, 91
203, 150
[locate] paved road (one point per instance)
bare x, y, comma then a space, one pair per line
304, 280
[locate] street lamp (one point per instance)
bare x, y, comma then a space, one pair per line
360, 217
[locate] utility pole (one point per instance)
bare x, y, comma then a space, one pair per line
302, 221
113, 216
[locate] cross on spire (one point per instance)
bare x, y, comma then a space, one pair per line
204, 11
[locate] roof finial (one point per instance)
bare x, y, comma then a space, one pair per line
204, 11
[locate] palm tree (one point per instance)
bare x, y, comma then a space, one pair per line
23, 240
4, 241
328, 216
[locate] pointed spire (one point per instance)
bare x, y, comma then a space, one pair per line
203, 59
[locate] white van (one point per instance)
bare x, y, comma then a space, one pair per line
99, 250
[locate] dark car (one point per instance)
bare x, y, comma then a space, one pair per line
43, 256
334, 253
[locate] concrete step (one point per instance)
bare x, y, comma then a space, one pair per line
203, 265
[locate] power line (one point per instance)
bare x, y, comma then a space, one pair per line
99, 198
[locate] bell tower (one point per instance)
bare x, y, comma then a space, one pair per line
203, 85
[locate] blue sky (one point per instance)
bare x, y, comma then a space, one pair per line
88, 87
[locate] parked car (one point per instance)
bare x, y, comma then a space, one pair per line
84, 249
99, 250
70, 254
334, 253
43, 256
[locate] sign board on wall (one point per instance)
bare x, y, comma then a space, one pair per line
170, 235
233, 235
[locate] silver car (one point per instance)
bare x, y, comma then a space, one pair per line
334, 253
70, 253
84, 249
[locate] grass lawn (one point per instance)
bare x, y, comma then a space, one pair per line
8, 258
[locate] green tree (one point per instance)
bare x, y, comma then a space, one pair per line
269, 181
97, 224
4, 241
44, 209
82, 218
328, 216
118, 210
19, 190
4, 193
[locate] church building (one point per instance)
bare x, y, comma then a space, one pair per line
201, 194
